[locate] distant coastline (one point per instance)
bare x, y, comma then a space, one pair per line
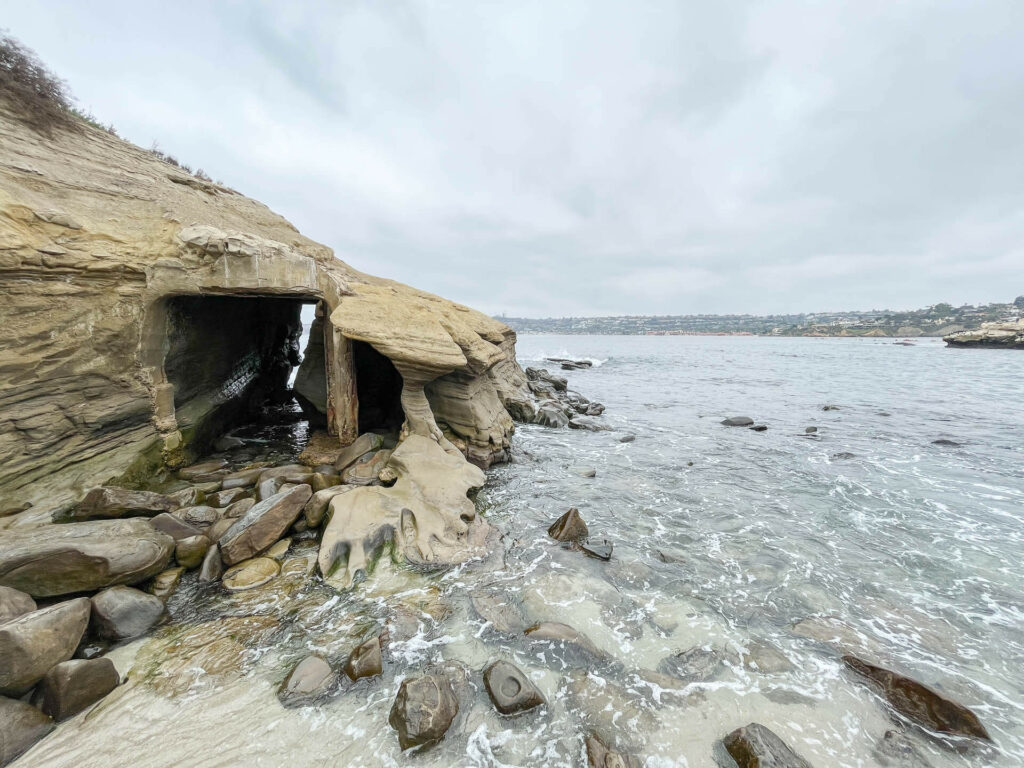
938, 320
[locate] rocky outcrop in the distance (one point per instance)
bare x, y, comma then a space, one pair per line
1000, 335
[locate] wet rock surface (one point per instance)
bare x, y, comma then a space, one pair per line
895, 749
121, 613
33, 643
918, 702
423, 710
754, 746
263, 525
108, 502
366, 659
21, 726
312, 680
511, 691
250, 574
80, 557
569, 527
600, 755
73, 685
737, 421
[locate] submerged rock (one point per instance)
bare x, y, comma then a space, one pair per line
21, 726
918, 702
694, 665
587, 422
423, 710
760, 427
755, 746
365, 660
738, 421
601, 550
109, 502
73, 685
896, 750
121, 613
14, 603
250, 574
627, 438
33, 643
584, 471
510, 690
556, 632
310, 681
263, 525
569, 527
600, 755
945, 442
502, 614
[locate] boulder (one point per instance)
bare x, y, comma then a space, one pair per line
587, 422
33, 643
755, 746
279, 550
246, 478
262, 525
310, 681
21, 726
366, 470
316, 507
250, 574
190, 552
423, 710
365, 660
198, 517
627, 438
213, 567
267, 488
367, 442
174, 527
569, 527
121, 613
946, 442
14, 603
551, 414
600, 755
738, 421
511, 691
810, 430
73, 685
107, 503
216, 531
165, 583
321, 481
760, 428
918, 702
226, 497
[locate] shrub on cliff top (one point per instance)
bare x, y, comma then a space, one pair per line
37, 95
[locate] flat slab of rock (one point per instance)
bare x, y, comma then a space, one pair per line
918, 702
33, 643
121, 613
108, 503
246, 478
250, 574
569, 527
174, 527
14, 602
365, 660
602, 550
587, 422
310, 681
600, 755
738, 421
511, 691
81, 557
226, 497
73, 685
423, 710
263, 525
21, 726
365, 443
755, 746
200, 472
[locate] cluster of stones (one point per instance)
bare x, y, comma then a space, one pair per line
559, 406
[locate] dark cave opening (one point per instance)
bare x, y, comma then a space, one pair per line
379, 390
231, 359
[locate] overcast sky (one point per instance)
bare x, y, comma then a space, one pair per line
560, 158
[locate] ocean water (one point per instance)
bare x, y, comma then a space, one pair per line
757, 556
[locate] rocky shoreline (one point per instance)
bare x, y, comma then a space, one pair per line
1004, 335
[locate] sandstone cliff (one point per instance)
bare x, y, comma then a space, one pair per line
138, 302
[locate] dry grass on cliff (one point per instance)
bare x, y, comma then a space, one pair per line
36, 95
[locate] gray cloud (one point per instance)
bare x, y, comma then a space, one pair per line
594, 157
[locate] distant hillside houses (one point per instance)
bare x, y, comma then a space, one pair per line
936, 320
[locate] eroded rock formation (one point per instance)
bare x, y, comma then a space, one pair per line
1001, 335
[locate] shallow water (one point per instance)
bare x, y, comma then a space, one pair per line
750, 550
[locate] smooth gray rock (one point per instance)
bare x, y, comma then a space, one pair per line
263, 525
423, 710
107, 503
587, 422
511, 691
201, 517
190, 552
627, 438
121, 613
602, 550
550, 414
14, 602
556, 632
246, 478
33, 643
755, 746
213, 567
21, 726
174, 527
738, 421
73, 685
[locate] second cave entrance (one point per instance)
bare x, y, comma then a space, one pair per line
378, 389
